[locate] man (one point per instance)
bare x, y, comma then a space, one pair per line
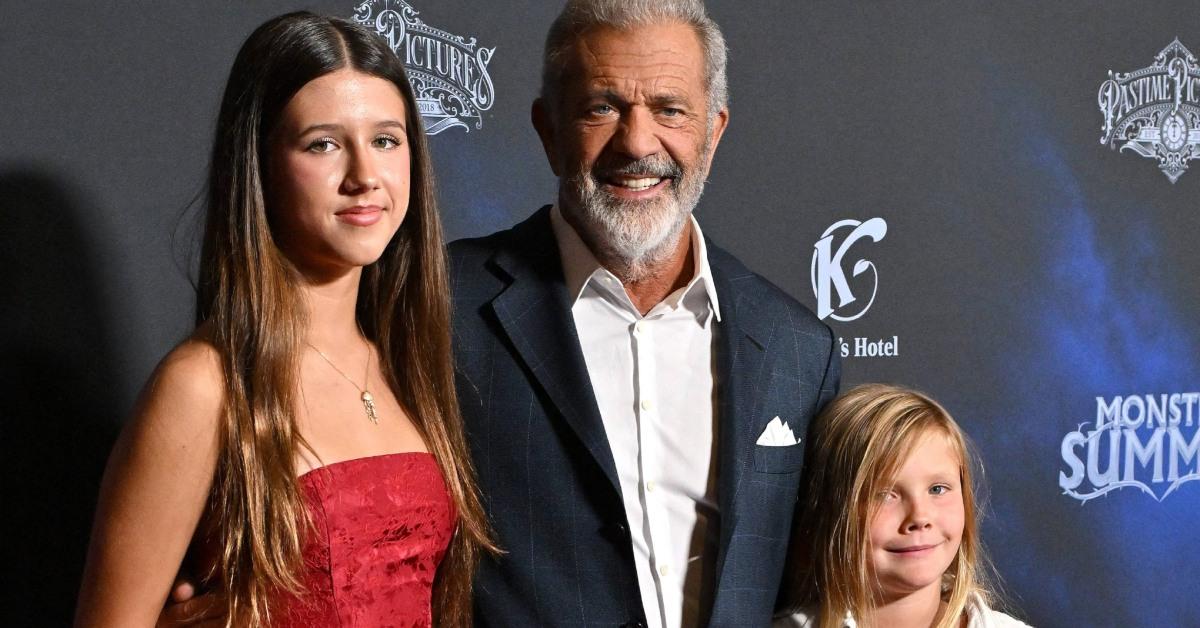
624, 382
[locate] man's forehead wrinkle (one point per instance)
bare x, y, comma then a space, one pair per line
664, 62
659, 84
641, 65
665, 79
585, 52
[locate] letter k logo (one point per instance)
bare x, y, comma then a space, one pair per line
828, 274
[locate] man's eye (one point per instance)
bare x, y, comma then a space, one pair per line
671, 112
323, 145
601, 110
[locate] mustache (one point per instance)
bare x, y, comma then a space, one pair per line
655, 166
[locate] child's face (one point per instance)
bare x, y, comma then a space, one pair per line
919, 525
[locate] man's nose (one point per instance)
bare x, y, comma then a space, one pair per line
636, 134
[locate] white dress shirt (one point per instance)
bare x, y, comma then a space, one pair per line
653, 379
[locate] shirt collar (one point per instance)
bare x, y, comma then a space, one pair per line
580, 266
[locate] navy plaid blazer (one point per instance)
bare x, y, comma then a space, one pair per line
545, 469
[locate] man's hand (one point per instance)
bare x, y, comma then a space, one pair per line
186, 609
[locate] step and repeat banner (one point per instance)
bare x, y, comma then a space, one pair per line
997, 203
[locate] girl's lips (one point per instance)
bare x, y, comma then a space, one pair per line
912, 550
360, 215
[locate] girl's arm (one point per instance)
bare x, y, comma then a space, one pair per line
154, 492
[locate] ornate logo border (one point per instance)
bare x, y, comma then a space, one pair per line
1155, 111
448, 73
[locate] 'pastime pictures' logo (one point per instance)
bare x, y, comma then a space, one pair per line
1147, 442
448, 73
1155, 111
828, 271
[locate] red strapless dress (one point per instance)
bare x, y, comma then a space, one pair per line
382, 525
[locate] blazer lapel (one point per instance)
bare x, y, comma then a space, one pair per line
535, 312
742, 337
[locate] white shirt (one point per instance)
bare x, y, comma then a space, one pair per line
979, 615
653, 379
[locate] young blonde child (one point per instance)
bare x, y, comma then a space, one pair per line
886, 533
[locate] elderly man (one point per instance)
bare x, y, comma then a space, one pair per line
633, 394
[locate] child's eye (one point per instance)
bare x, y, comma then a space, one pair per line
323, 145
887, 495
939, 489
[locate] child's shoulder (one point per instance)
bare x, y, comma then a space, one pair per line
980, 615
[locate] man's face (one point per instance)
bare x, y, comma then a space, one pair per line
631, 139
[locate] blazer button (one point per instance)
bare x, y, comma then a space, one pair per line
633, 624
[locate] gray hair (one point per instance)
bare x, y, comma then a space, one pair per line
579, 16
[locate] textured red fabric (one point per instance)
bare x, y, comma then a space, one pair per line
382, 526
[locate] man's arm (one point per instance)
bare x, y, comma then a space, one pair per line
832, 381
185, 609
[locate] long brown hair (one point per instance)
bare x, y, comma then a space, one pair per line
248, 306
855, 449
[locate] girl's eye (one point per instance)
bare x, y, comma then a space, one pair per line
887, 496
939, 489
387, 141
323, 145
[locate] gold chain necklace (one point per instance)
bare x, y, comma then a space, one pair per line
367, 400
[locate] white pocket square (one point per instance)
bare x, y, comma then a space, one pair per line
777, 434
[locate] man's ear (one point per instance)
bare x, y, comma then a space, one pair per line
543, 122
720, 121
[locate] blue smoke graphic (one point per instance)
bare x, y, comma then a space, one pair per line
1101, 325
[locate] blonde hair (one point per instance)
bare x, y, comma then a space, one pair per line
855, 449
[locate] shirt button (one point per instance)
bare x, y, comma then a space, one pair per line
647, 405
663, 570
650, 486
639, 327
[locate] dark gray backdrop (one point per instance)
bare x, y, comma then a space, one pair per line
1026, 270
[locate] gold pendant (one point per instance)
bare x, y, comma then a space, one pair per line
369, 404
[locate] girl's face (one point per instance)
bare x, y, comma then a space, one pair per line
918, 528
338, 172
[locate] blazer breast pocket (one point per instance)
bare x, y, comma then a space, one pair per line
786, 459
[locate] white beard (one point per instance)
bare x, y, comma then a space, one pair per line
631, 237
